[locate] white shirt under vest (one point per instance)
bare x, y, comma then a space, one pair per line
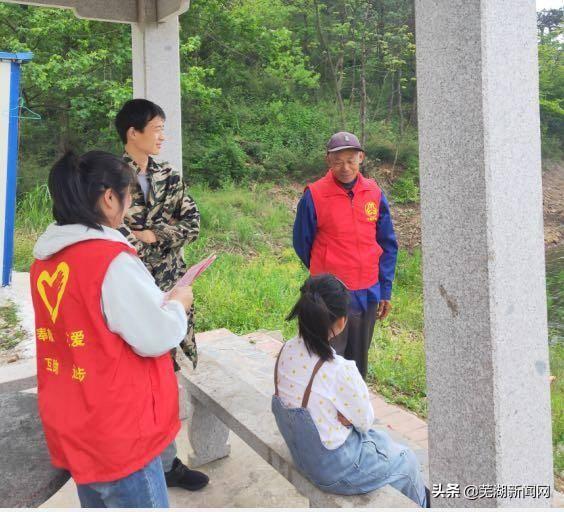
337, 387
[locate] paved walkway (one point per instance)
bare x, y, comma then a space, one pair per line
18, 293
242, 480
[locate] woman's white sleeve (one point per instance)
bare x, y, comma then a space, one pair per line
133, 306
352, 398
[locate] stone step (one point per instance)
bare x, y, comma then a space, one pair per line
18, 376
266, 341
18, 370
264, 334
19, 294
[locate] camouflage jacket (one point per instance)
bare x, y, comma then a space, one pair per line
174, 218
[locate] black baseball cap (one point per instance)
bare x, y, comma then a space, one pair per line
343, 140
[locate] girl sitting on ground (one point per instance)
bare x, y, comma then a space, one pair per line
322, 406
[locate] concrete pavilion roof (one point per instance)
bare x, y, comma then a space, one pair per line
121, 11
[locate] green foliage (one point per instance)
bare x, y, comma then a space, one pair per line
551, 81
33, 212
194, 78
397, 356
77, 80
549, 20
33, 215
406, 188
222, 161
276, 103
287, 63
557, 404
555, 294
260, 81
11, 332
379, 145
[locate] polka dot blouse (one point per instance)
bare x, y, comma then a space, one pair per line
337, 387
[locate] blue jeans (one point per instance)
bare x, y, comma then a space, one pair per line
364, 462
145, 488
168, 456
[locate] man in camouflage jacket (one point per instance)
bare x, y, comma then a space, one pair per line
162, 217
174, 218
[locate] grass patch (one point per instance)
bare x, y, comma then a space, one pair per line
33, 215
397, 355
256, 279
243, 221
556, 352
245, 295
10, 331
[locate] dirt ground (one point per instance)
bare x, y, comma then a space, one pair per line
553, 198
407, 218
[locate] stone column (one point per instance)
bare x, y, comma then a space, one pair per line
156, 76
483, 251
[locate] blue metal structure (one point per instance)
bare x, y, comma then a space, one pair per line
10, 64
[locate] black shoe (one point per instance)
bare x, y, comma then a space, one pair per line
181, 476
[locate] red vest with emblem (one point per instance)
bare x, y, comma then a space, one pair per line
345, 243
106, 411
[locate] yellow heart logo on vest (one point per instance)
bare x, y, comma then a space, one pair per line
57, 282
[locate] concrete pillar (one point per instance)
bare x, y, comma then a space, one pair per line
483, 251
156, 76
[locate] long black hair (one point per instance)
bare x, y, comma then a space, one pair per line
77, 182
323, 300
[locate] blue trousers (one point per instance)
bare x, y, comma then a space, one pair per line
145, 488
365, 462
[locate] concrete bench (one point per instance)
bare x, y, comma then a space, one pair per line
28, 478
231, 389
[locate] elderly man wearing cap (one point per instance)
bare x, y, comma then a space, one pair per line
343, 227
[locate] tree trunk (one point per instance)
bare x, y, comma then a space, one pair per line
334, 75
363, 94
64, 133
391, 100
305, 44
353, 76
400, 109
353, 79
413, 115
340, 71
380, 96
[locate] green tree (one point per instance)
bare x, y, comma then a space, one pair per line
80, 74
551, 83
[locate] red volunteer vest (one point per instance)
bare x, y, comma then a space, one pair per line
345, 243
106, 411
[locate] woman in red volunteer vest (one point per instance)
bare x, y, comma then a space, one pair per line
107, 393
